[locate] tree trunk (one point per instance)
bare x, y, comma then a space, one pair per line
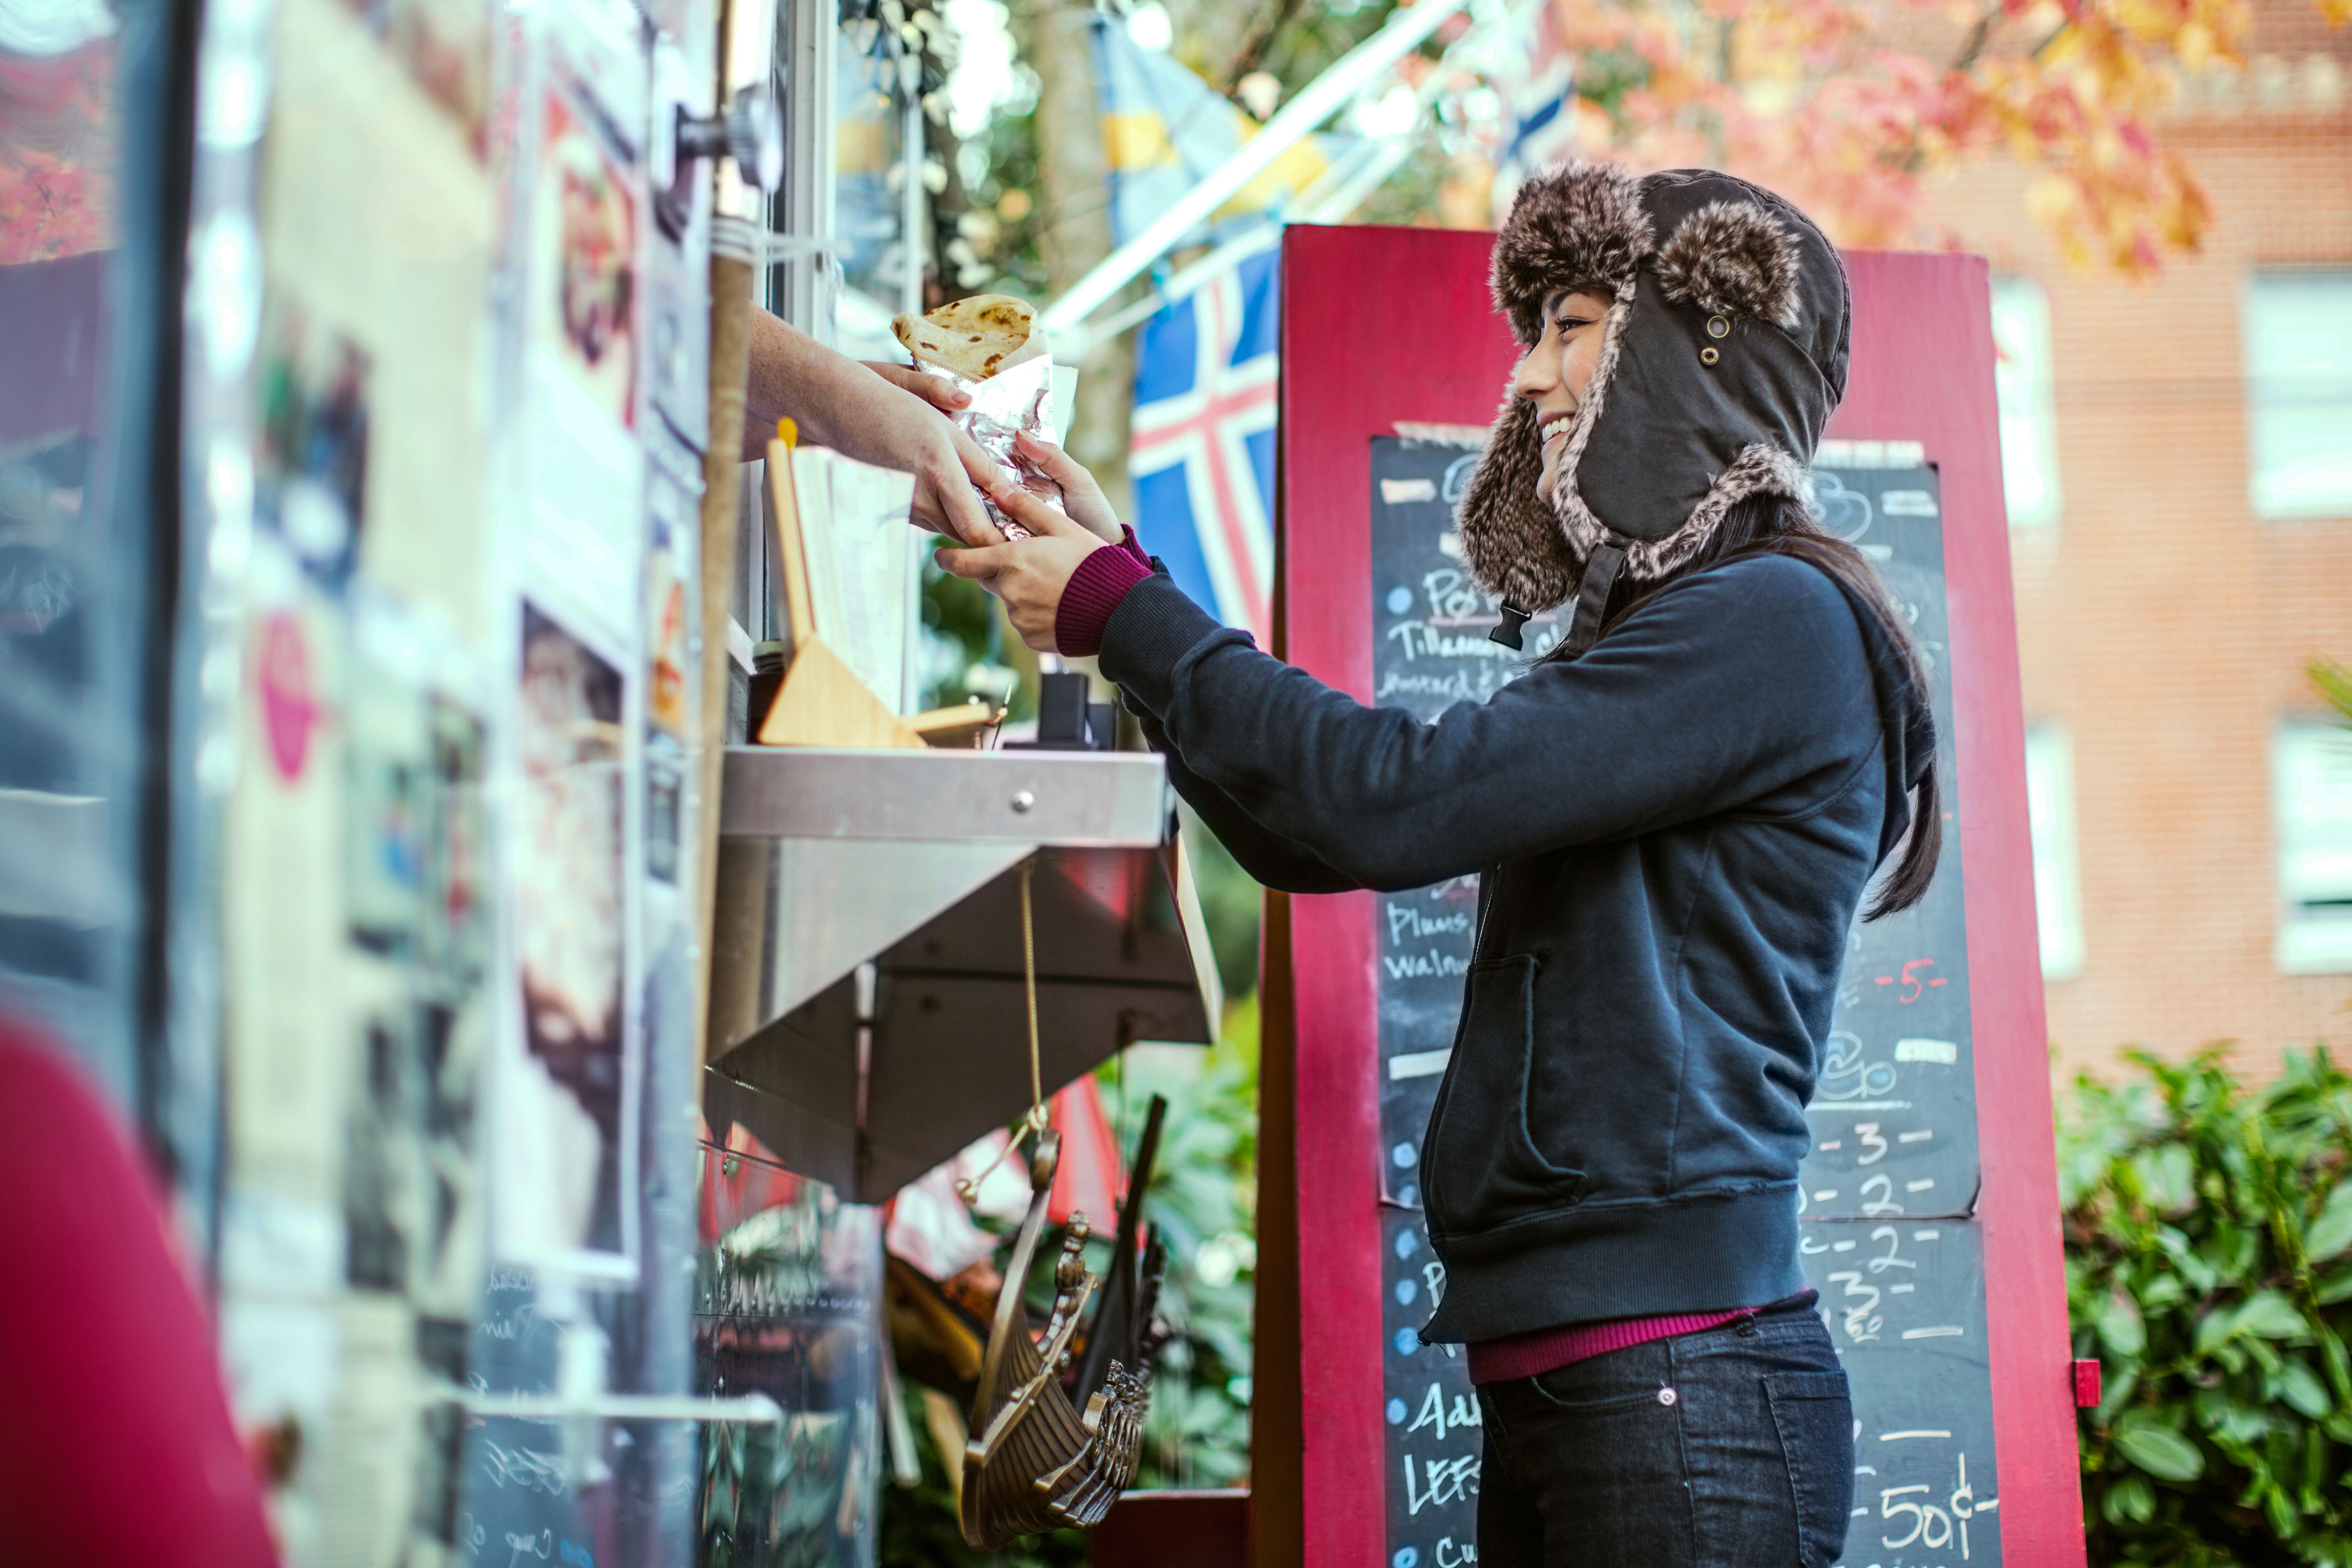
1073, 189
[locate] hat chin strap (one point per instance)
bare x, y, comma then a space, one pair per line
1600, 572
1592, 595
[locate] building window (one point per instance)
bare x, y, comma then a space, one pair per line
2299, 393
2057, 881
2029, 422
2311, 788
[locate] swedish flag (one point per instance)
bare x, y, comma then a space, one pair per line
1165, 128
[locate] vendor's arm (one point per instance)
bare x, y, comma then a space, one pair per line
1723, 693
891, 416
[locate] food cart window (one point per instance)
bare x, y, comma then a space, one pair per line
850, 218
848, 225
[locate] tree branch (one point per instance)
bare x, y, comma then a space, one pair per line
1978, 36
1251, 52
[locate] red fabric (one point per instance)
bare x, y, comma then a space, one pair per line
1532, 1356
116, 1443
1089, 1180
1093, 592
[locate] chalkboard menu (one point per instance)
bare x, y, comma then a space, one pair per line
1890, 1184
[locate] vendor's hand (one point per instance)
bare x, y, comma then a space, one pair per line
893, 423
1029, 574
1081, 494
936, 390
891, 418
949, 398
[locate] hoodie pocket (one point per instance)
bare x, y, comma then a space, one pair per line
1480, 1167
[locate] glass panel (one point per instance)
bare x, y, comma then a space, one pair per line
2312, 794
2029, 431
870, 191
74, 523
788, 1303
2299, 374
2057, 890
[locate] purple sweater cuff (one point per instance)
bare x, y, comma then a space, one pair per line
1094, 591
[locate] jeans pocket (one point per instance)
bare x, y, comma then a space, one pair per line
1600, 1458
1814, 1412
1575, 1404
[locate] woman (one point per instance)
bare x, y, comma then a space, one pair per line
1675, 814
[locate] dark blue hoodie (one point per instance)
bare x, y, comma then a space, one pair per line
1674, 833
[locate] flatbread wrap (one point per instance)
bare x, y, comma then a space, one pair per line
990, 346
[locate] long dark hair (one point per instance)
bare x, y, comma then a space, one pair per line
1775, 525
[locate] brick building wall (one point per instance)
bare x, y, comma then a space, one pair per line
2164, 625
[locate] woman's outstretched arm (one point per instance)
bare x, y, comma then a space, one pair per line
1747, 687
1273, 860
1734, 690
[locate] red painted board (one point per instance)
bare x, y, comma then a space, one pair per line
1353, 363
1922, 371
1203, 1528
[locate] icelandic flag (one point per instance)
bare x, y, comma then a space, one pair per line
1203, 455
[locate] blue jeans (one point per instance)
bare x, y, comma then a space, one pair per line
1730, 1448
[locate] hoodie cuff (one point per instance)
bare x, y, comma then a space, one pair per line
1134, 546
1147, 636
1102, 580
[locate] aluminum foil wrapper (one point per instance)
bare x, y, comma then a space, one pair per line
1018, 397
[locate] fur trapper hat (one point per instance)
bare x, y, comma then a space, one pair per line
1724, 352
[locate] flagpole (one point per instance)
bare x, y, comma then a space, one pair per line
1321, 98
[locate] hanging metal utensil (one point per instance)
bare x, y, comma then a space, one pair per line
1035, 1463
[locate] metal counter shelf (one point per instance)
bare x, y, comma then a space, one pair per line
867, 1018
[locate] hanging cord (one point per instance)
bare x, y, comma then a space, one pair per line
1036, 1120
1029, 982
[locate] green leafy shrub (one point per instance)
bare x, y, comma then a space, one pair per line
1202, 1205
2208, 1228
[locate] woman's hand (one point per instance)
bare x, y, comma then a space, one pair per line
1081, 496
1029, 574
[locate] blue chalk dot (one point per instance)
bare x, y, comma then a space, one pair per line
1405, 1558
1406, 1291
1396, 1411
1407, 1341
1409, 1196
1407, 1243
1400, 601
1403, 1155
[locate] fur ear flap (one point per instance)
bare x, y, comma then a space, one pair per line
1577, 226
1732, 258
1511, 538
